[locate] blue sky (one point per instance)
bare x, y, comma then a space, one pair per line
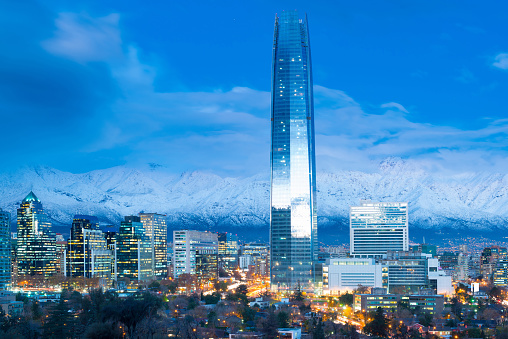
90, 85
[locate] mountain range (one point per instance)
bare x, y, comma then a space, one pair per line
476, 202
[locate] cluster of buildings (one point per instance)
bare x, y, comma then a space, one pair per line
380, 255
139, 251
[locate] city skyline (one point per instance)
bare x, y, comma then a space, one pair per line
121, 83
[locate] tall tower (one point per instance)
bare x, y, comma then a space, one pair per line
5, 250
157, 231
36, 243
293, 218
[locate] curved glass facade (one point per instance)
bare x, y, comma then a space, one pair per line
293, 223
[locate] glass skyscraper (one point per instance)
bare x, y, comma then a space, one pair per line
157, 231
36, 243
293, 218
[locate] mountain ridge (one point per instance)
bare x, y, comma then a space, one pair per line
203, 200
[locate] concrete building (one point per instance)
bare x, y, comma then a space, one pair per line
195, 252
346, 274
378, 227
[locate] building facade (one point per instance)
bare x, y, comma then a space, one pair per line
378, 227
347, 274
5, 250
36, 243
228, 251
293, 217
88, 254
195, 252
133, 251
157, 231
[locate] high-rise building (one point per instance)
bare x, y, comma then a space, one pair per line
195, 252
157, 231
88, 254
133, 251
5, 250
228, 251
378, 227
293, 217
36, 243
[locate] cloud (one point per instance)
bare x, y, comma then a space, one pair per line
501, 61
83, 38
396, 106
99, 89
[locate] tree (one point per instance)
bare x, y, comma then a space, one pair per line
283, 319
36, 310
270, 325
60, 322
212, 320
103, 331
346, 299
425, 319
379, 324
317, 330
297, 295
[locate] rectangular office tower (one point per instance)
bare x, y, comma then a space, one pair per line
157, 231
378, 227
293, 220
133, 251
196, 252
88, 254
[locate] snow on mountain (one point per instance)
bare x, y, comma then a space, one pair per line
208, 201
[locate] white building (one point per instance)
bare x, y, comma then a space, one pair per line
377, 227
195, 252
340, 275
438, 279
245, 261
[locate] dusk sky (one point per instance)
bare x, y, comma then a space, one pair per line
186, 84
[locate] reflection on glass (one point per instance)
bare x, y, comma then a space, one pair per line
293, 223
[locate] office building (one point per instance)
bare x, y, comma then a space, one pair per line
88, 254
5, 250
36, 243
133, 251
378, 227
195, 252
228, 251
500, 277
347, 274
157, 231
293, 215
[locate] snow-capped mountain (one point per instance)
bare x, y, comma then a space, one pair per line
207, 201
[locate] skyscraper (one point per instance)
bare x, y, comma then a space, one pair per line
133, 251
88, 254
196, 252
5, 250
293, 218
157, 231
378, 227
36, 243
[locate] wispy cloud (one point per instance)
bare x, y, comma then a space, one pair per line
83, 38
228, 130
501, 61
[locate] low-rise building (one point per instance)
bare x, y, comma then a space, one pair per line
9, 304
290, 333
346, 274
